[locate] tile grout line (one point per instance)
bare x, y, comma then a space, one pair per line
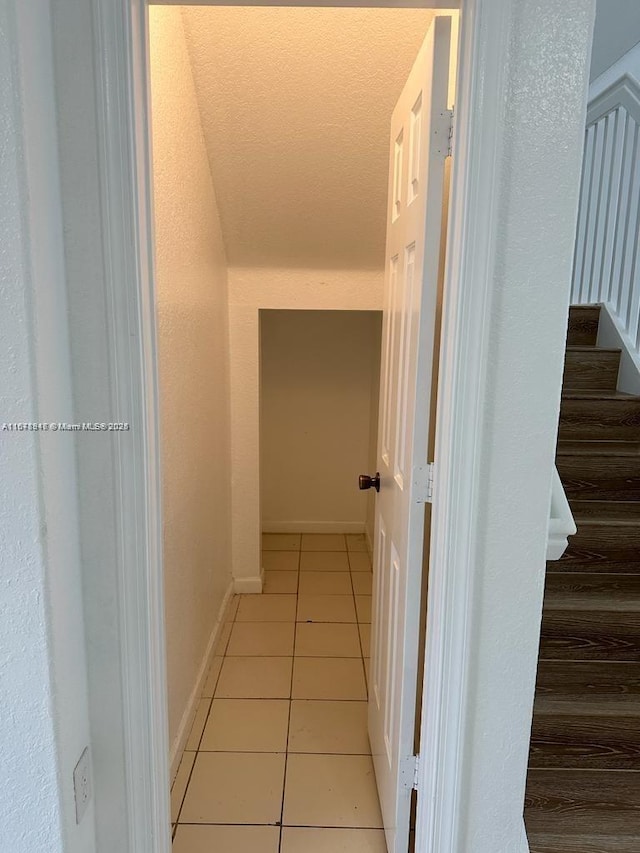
225, 657
364, 669
293, 663
280, 752
278, 699
293, 826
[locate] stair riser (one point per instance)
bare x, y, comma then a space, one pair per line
600, 478
583, 563
579, 590
579, 844
591, 370
602, 542
589, 803
600, 420
583, 787
583, 326
617, 683
595, 743
572, 635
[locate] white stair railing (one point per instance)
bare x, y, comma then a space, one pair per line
606, 265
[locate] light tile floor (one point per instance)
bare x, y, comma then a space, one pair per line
278, 759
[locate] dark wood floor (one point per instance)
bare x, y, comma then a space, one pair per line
583, 788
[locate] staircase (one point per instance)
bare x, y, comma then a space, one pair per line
583, 787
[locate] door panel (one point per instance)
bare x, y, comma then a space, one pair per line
418, 148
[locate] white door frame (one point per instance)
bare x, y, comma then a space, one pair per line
122, 28
119, 49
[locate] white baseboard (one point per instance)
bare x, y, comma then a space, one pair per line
249, 585
180, 740
313, 526
612, 334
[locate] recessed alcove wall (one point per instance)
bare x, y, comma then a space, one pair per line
251, 291
319, 376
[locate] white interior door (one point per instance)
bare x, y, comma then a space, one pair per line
419, 142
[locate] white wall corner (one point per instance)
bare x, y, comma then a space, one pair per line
244, 373
43, 668
249, 585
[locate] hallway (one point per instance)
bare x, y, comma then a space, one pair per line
278, 759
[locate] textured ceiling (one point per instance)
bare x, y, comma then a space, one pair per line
295, 106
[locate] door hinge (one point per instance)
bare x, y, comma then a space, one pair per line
443, 133
423, 483
410, 770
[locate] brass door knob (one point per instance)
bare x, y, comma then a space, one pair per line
365, 481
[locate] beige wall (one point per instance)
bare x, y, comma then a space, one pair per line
250, 291
317, 373
311, 89
193, 346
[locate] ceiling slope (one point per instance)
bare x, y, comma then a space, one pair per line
295, 106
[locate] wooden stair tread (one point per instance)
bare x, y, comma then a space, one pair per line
585, 688
591, 367
583, 325
599, 394
583, 787
578, 313
570, 634
598, 448
580, 310
583, 561
619, 707
589, 349
607, 538
599, 470
602, 414
600, 711
623, 513
593, 591
585, 740
588, 803
587, 678
544, 842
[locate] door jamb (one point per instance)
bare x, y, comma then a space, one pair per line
470, 258
120, 49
